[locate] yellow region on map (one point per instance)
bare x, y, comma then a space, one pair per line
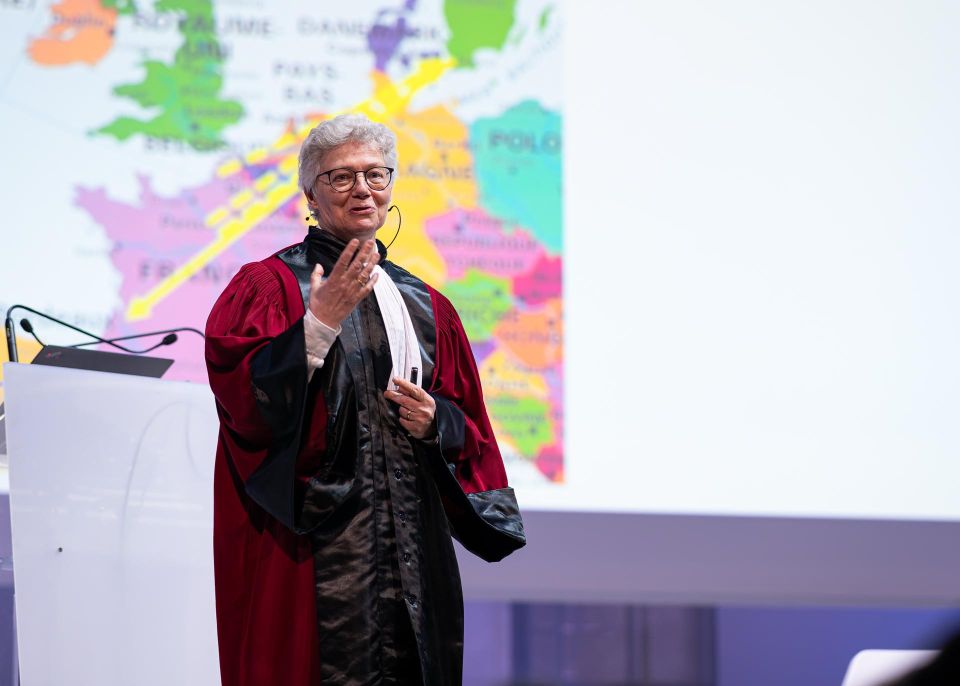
435, 176
503, 376
27, 349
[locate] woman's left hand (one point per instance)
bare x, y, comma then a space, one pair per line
416, 407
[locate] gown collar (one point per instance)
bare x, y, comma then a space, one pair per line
325, 248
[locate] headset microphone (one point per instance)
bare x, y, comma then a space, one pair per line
399, 223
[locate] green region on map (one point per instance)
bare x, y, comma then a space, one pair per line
123, 7
545, 17
525, 420
186, 91
481, 300
474, 25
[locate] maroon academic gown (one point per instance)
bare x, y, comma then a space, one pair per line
299, 467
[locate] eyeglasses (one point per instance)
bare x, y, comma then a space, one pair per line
343, 180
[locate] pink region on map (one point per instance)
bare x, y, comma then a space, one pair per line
550, 462
550, 459
541, 283
154, 236
472, 239
554, 379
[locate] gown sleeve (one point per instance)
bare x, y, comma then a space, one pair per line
481, 507
256, 362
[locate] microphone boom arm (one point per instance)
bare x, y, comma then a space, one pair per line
12, 341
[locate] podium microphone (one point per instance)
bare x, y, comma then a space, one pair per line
11, 339
168, 339
29, 328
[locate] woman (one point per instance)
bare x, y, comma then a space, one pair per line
353, 443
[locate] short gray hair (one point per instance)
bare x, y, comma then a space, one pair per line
346, 128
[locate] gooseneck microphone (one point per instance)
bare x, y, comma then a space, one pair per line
168, 339
11, 338
29, 328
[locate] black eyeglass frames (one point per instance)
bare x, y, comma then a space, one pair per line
343, 179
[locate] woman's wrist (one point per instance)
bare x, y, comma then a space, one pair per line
325, 317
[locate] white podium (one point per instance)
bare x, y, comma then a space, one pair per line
111, 504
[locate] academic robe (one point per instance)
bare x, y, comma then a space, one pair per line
332, 552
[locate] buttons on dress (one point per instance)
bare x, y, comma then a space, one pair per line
398, 473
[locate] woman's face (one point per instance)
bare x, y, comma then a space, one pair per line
356, 213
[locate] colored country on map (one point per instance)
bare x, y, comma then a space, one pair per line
553, 378
518, 160
481, 300
81, 31
435, 174
541, 283
475, 25
534, 337
155, 235
27, 349
187, 92
472, 239
388, 32
524, 421
550, 462
545, 17
503, 376
482, 350
124, 7
550, 459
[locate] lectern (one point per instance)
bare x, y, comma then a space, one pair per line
111, 504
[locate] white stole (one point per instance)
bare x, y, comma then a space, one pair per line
404, 347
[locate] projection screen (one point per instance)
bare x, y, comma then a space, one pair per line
705, 252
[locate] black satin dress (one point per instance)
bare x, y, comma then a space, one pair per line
389, 602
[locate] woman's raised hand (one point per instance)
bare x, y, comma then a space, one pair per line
351, 280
